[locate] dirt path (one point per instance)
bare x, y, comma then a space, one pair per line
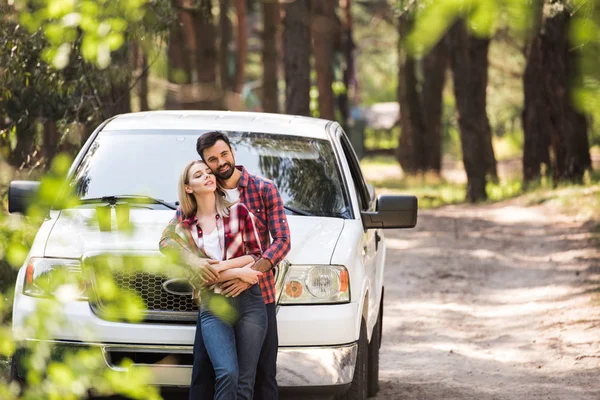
491, 302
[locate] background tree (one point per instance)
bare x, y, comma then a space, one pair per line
270, 12
325, 32
555, 132
420, 88
296, 45
468, 55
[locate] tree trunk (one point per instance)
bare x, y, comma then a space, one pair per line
434, 78
568, 128
270, 10
225, 40
25, 141
206, 58
344, 99
143, 91
296, 45
478, 60
405, 151
50, 140
242, 45
467, 65
140, 66
323, 23
179, 55
535, 127
555, 133
419, 147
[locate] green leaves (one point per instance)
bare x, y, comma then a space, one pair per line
101, 26
482, 17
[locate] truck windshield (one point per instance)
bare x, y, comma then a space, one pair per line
149, 163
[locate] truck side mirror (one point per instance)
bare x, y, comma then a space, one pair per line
392, 212
21, 194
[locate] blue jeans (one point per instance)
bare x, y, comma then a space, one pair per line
234, 346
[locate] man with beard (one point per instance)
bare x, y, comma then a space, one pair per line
263, 200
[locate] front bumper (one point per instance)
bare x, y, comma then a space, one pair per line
297, 367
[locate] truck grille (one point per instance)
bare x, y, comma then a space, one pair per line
150, 288
161, 304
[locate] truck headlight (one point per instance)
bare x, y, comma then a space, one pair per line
55, 277
315, 284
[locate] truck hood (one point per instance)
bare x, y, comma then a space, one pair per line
76, 233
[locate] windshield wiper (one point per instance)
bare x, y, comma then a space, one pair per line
130, 198
298, 211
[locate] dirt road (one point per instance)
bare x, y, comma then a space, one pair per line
492, 302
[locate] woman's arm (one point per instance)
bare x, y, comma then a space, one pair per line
245, 273
237, 262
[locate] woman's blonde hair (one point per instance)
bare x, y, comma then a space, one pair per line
187, 201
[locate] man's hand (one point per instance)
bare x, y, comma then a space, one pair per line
262, 265
204, 269
234, 287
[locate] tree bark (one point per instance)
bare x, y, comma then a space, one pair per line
323, 24
472, 122
296, 45
555, 132
50, 140
419, 148
434, 78
206, 57
225, 40
179, 55
143, 91
345, 99
270, 10
405, 151
568, 128
535, 128
242, 45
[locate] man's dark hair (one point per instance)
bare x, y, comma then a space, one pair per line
208, 139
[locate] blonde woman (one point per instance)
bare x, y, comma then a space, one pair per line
210, 227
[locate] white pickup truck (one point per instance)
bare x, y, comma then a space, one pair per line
329, 288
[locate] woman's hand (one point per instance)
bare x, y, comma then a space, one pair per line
206, 270
248, 275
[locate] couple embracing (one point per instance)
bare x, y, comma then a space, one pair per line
221, 231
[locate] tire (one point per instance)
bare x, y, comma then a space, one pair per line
358, 388
14, 368
373, 363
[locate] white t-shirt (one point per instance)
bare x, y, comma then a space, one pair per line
212, 245
232, 195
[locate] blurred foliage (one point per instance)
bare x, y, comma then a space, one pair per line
483, 18
100, 26
38, 36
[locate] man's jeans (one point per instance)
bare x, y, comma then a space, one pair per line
234, 347
266, 374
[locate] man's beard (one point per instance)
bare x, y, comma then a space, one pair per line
227, 174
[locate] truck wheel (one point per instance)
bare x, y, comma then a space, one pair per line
358, 388
373, 374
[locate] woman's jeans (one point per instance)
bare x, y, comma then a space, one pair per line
234, 345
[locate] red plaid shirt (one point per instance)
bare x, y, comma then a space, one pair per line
237, 234
264, 202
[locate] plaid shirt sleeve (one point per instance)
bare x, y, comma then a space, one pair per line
249, 234
174, 247
278, 225
170, 241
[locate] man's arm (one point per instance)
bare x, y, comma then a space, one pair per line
278, 227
